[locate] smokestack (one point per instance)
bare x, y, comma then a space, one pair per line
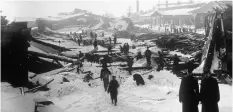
137, 6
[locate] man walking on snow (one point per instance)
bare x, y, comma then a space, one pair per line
113, 86
95, 43
104, 76
148, 56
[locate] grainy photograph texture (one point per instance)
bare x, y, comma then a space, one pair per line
116, 56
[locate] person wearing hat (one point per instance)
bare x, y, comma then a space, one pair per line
209, 93
130, 64
112, 89
148, 56
161, 61
188, 93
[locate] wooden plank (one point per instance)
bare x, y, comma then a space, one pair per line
52, 56
36, 88
137, 68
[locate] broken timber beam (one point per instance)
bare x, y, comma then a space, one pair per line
53, 56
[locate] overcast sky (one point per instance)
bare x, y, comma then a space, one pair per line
44, 8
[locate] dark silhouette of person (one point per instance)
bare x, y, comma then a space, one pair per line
110, 40
139, 80
109, 49
129, 63
95, 43
115, 39
121, 49
80, 56
102, 34
176, 61
161, 61
139, 55
209, 94
91, 34
127, 48
188, 93
79, 42
112, 89
81, 38
148, 56
124, 48
104, 76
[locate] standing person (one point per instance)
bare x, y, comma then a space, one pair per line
115, 39
148, 56
81, 38
161, 61
79, 41
112, 89
209, 93
124, 48
127, 48
130, 64
95, 43
110, 40
188, 93
176, 61
109, 49
102, 34
104, 76
139, 55
91, 34
121, 49
80, 56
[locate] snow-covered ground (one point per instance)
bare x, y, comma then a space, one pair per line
159, 94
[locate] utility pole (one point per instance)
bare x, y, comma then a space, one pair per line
129, 13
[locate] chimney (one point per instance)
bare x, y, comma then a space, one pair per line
137, 6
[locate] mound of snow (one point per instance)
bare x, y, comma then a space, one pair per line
63, 90
164, 78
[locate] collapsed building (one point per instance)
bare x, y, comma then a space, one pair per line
217, 52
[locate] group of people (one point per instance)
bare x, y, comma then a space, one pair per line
190, 96
125, 48
114, 40
77, 37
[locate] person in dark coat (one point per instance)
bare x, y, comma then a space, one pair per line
161, 61
81, 55
139, 80
148, 56
121, 49
127, 48
124, 48
110, 40
209, 94
95, 43
91, 34
81, 38
79, 41
139, 55
109, 49
112, 89
129, 63
115, 39
188, 93
105, 77
176, 61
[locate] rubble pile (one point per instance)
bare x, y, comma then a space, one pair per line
185, 43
